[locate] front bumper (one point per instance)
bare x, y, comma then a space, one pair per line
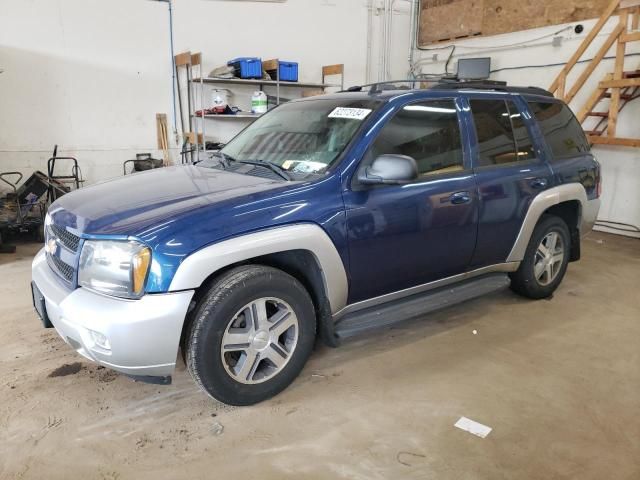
143, 334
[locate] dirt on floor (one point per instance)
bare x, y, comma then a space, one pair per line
557, 380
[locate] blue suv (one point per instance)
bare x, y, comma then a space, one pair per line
326, 217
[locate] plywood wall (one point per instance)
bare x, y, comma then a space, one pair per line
446, 20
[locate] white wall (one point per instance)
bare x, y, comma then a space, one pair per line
310, 32
90, 75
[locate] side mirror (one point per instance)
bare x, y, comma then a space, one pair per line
389, 170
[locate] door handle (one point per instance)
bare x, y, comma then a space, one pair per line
459, 198
539, 183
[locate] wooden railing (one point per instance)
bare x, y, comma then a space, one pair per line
623, 85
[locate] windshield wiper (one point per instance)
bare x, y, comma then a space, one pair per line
274, 167
225, 160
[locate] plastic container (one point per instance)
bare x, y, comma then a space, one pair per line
247, 67
220, 97
288, 71
259, 102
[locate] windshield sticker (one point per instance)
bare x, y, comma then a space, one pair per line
352, 113
303, 166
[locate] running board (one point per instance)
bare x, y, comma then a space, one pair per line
386, 315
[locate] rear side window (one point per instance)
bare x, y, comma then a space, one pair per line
561, 129
521, 134
427, 131
502, 135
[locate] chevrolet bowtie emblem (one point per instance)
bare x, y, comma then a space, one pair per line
52, 246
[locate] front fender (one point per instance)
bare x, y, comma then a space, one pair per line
198, 266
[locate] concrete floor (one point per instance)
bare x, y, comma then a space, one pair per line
558, 381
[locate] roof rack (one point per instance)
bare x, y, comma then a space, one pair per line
489, 85
378, 87
449, 83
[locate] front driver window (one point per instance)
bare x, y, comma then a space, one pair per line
427, 131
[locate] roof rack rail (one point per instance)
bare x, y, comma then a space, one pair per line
449, 83
489, 85
377, 87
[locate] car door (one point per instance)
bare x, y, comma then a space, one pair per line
401, 236
510, 169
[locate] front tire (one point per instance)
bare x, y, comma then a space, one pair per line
545, 260
251, 335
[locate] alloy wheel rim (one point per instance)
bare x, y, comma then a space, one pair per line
259, 340
548, 258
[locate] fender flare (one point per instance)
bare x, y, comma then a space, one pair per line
198, 266
542, 202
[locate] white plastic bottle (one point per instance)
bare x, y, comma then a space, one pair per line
220, 98
259, 102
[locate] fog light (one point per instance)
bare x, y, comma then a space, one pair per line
100, 340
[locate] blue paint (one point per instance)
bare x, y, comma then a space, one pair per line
388, 238
405, 235
504, 191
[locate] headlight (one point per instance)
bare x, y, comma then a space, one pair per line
114, 267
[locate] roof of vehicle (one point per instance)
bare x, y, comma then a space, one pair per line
491, 86
387, 91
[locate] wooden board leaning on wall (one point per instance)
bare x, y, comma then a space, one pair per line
447, 20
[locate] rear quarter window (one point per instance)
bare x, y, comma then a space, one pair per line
560, 128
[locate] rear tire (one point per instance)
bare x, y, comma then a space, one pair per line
251, 335
545, 260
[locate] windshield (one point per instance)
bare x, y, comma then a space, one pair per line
301, 137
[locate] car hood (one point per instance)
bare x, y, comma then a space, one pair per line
130, 205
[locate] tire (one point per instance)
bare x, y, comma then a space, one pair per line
528, 280
237, 348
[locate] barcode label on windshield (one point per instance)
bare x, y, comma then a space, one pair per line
353, 113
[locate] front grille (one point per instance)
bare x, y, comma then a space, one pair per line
68, 239
66, 271
58, 256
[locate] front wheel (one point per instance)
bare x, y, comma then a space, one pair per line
251, 335
545, 261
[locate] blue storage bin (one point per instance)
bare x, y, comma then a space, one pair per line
247, 67
288, 71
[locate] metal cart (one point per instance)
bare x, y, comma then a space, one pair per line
70, 181
21, 210
141, 163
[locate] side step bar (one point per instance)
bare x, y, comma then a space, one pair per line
382, 316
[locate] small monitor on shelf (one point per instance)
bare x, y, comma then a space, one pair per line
474, 68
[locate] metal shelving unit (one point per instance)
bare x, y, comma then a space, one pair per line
261, 82
236, 116
201, 81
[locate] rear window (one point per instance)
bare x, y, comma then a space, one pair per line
561, 129
502, 135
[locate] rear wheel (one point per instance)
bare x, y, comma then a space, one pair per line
545, 261
251, 335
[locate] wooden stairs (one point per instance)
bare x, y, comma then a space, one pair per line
588, 111
616, 89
